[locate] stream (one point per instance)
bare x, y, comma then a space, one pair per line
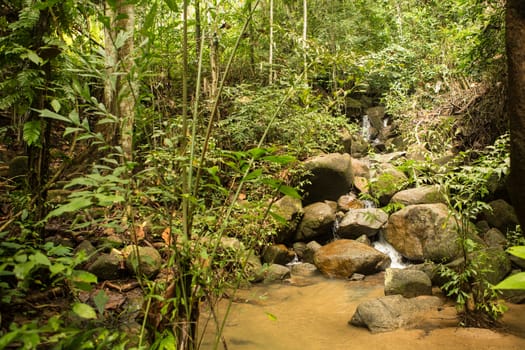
313, 314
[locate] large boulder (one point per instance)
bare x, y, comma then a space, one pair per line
344, 257
318, 220
424, 232
359, 222
419, 195
148, 261
330, 177
392, 312
289, 211
386, 182
407, 282
502, 215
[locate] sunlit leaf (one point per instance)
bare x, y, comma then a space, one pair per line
518, 251
516, 281
74, 205
84, 311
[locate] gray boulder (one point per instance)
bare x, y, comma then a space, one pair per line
344, 257
359, 222
502, 216
386, 182
276, 273
289, 211
106, 266
310, 250
318, 220
419, 195
392, 312
277, 254
424, 232
304, 270
407, 282
148, 261
330, 177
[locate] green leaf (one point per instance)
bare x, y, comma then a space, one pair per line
74, 205
280, 159
40, 259
32, 130
518, 251
84, 311
172, 4
271, 316
56, 105
83, 276
46, 113
253, 175
516, 281
100, 300
33, 57
289, 191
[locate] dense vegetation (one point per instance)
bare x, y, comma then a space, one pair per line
152, 120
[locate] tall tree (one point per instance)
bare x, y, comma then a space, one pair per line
119, 88
516, 101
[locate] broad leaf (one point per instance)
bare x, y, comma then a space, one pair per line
84, 311
74, 205
516, 281
100, 300
518, 251
46, 113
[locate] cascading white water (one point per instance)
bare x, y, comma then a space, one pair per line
366, 127
384, 247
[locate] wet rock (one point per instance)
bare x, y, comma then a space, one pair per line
344, 257
106, 266
310, 250
254, 270
299, 248
364, 239
359, 222
290, 210
330, 177
276, 273
148, 262
502, 216
18, 167
277, 254
419, 195
349, 201
304, 270
423, 232
494, 238
358, 146
361, 167
392, 312
387, 181
406, 282
318, 220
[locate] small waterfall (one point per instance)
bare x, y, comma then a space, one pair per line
384, 247
366, 127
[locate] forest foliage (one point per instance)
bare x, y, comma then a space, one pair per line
226, 97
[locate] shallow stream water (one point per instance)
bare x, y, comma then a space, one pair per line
313, 314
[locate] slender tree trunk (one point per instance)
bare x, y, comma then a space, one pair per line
270, 55
198, 30
305, 30
38, 154
515, 33
120, 88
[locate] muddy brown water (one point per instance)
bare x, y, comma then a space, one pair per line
313, 314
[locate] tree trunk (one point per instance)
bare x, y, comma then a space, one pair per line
516, 102
119, 89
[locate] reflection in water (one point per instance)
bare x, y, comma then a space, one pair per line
313, 314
